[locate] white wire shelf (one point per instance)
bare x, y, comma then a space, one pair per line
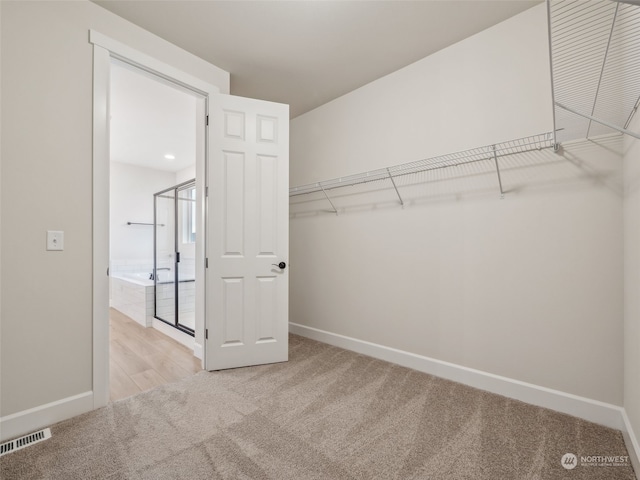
595, 66
595, 75
488, 152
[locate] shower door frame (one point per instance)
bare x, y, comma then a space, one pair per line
176, 260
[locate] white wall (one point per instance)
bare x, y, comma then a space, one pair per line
186, 174
132, 190
528, 287
0, 205
46, 184
632, 278
479, 91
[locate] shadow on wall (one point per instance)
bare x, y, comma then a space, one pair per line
576, 165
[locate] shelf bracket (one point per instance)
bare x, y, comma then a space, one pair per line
328, 199
553, 94
597, 120
395, 186
495, 159
604, 63
633, 112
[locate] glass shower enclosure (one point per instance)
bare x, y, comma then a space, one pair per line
174, 256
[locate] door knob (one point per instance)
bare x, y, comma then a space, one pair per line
281, 265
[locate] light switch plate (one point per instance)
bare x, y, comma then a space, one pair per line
55, 240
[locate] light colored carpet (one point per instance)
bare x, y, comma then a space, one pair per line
326, 414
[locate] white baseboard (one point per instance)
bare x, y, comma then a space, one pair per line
592, 410
27, 421
632, 443
197, 350
180, 337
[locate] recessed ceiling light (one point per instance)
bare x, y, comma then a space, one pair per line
168, 156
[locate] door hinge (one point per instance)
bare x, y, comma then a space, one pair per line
177, 257
206, 334
206, 191
207, 120
206, 263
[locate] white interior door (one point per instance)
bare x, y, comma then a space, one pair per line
247, 233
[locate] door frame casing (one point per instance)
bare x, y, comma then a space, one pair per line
104, 49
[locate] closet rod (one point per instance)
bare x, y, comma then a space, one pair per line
488, 152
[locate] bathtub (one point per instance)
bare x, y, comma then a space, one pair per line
144, 278
135, 278
133, 295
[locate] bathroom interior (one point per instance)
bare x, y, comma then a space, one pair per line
153, 228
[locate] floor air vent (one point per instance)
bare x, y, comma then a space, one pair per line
22, 442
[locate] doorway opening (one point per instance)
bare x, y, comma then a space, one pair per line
155, 127
244, 219
105, 51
